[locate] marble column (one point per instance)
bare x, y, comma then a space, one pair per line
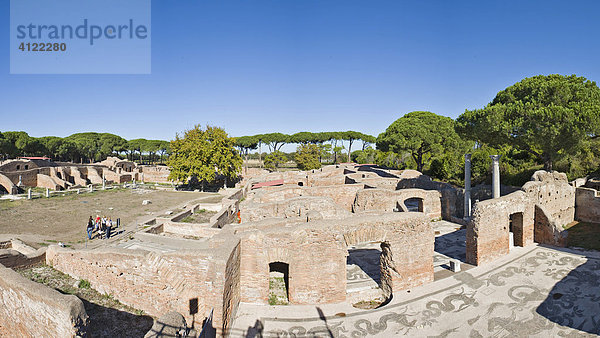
467, 213
495, 176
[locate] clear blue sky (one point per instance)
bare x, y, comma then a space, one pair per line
270, 65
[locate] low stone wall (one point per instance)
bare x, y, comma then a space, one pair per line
587, 205
29, 309
201, 230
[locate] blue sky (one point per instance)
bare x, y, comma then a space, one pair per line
287, 66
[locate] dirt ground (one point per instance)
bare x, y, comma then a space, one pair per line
63, 219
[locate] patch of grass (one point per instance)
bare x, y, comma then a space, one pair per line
188, 219
272, 299
84, 284
583, 235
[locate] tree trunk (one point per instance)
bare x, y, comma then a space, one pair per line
260, 154
547, 162
349, 150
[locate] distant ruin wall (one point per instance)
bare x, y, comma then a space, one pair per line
159, 174
389, 201
293, 207
44, 181
587, 205
342, 195
29, 309
10, 187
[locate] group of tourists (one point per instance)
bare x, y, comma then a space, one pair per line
101, 225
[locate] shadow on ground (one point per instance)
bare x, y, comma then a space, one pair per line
367, 260
452, 245
575, 300
108, 322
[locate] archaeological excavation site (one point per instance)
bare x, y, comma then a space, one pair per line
347, 250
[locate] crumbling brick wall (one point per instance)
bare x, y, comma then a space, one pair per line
152, 282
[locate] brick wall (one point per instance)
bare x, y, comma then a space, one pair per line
587, 202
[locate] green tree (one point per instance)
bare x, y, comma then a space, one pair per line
274, 159
275, 140
422, 134
549, 116
307, 157
203, 154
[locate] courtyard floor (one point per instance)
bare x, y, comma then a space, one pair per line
534, 291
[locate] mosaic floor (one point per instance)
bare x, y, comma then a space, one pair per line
534, 291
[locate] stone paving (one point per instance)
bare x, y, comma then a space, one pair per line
534, 291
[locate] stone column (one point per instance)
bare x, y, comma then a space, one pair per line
495, 176
467, 212
29, 193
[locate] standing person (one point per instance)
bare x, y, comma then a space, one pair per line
108, 228
90, 227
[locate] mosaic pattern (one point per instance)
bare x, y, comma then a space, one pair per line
544, 293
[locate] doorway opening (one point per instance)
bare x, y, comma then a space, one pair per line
279, 283
414, 204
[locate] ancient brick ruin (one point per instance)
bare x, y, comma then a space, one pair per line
304, 226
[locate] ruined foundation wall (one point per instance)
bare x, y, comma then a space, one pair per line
29, 309
152, 282
342, 195
587, 205
293, 207
323, 244
388, 201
